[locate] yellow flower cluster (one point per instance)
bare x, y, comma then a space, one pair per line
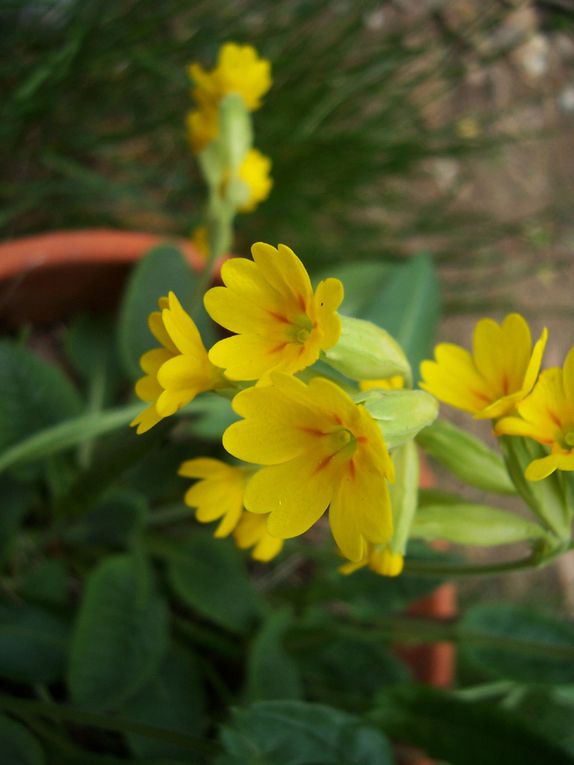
305, 447
238, 70
501, 380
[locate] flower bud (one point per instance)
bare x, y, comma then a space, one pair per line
469, 524
404, 495
367, 352
400, 414
466, 457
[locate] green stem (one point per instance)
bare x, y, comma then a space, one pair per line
96, 396
172, 514
424, 568
219, 236
93, 720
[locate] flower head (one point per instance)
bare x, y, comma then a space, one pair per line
218, 495
177, 371
254, 172
238, 70
319, 449
380, 559
547, 416
499, 373
251, 531
202, 127
281, 324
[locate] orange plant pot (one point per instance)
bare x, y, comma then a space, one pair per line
48, 277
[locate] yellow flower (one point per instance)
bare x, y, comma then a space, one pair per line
396, 382
380, 560
281, 323
254, 172
219, 493
547, 416
176, 372
238, 70
202, 127
251, 531
499, 373
319, 449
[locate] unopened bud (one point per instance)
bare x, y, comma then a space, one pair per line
367, 352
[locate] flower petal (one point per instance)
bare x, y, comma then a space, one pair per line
542, 468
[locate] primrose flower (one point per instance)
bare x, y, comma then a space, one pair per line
379, 559
254, 172
202, 127
218, 495
319, 450
251, 531
177, 371
281, 323
547, 416
238, 70
499, 373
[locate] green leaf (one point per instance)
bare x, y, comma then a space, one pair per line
90, 348
465, 523
299, 733
163, 269
46, 583
408, 307
33, 644
33, 395
15, 499
173, 700
466, 457
120, 637
209, 575
271, 671
548, 710
113, 521
463, 732
518, 643
363, 283
17, 745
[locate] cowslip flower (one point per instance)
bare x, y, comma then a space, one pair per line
202, 127
281, 324
318, 450
218, 494
177, 371
254, 172
547, 416
251, 531
490, 381
239, 70
379, 559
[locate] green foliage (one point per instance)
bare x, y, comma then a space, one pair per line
271, 671
209, 576
463, 732
120, 636
17, 745
15, 499
297, 733
34, 644
519, 643
164, 269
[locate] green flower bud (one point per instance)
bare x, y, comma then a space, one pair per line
467, 457
401, 414
366, 352
469, 524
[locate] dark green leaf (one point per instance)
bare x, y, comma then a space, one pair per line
89, 345
33, 644
46, 583
463, 732
172, 700
271, 671
113, 521
518, 643
209, 576
163, 269
550, 711
33, 395
298, 733
120, 637
15, 499
17, 745
363, 284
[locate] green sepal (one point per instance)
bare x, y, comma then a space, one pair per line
365, 351
466, 457
400, 414
404, 494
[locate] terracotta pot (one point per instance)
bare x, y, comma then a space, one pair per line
49, 277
